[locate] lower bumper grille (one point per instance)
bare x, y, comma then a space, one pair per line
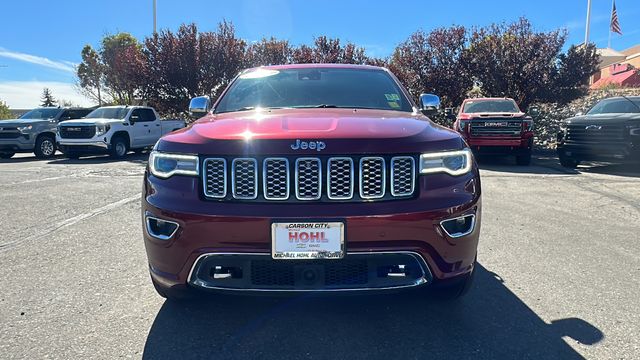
10, 135
357, 271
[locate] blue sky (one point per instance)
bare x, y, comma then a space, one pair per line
40, 41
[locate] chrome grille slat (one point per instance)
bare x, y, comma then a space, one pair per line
244, 178
403, 181
215, 178
372, 177
275, 178
340, 182
279, 178
308, 179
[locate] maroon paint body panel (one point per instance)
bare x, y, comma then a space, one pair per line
220, 226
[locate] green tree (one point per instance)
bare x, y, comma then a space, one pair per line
47, 98
5, 113
123, 67
570, 78
90, 74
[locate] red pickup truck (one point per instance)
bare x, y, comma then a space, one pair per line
496, 126
319, 178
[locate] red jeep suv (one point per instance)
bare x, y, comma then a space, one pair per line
496, 126
323, 178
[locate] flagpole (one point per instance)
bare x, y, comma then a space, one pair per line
613, 3
586, 32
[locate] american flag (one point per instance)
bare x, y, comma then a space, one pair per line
615, 25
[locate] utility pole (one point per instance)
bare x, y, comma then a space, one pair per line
586, 33
154, 16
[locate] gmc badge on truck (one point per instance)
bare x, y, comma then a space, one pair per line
312, 145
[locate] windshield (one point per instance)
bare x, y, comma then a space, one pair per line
314, 87
616, 106
41, 114
480, 106
108, 113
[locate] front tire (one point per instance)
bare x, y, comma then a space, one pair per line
7, 155
524, 160
119, 147
45, 147
72, 155
568, 162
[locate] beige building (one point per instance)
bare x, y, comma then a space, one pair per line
617, 67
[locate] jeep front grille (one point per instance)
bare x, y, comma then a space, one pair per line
275, 178
306, 179
215, 184
372, 177
244, 178
340, 178
402, 180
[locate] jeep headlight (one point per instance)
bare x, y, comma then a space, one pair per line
25, 128
165, 165
451, 162
102, 129
634, 130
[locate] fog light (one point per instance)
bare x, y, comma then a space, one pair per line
160, 228
460, 226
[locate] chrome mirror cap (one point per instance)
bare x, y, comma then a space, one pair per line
429, 104
199, 106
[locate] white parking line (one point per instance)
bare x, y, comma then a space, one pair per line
69, 222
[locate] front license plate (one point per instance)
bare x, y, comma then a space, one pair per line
307, 240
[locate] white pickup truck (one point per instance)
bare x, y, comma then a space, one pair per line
114, 130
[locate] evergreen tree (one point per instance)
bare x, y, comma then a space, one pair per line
4, 111
47, 98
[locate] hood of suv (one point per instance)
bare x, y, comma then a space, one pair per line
603, 119
92, 121
22, 122
342, 130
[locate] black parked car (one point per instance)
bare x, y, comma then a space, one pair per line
609, 131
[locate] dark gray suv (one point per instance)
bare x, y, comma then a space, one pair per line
35, 131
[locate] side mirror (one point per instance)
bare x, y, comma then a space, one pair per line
199, 106
448, 113
133, 119
429, 104
579, 113
534, 111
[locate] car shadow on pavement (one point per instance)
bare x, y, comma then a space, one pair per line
490, 322
101, 159
542, 163
625, 170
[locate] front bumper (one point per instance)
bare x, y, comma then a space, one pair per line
209, 229
22, 143
498, 145
95, 145
615, 152
358, 271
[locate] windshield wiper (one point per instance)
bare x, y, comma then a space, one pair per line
316, 106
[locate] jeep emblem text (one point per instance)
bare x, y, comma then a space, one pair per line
311, 145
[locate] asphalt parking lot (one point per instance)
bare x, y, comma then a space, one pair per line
559, 277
